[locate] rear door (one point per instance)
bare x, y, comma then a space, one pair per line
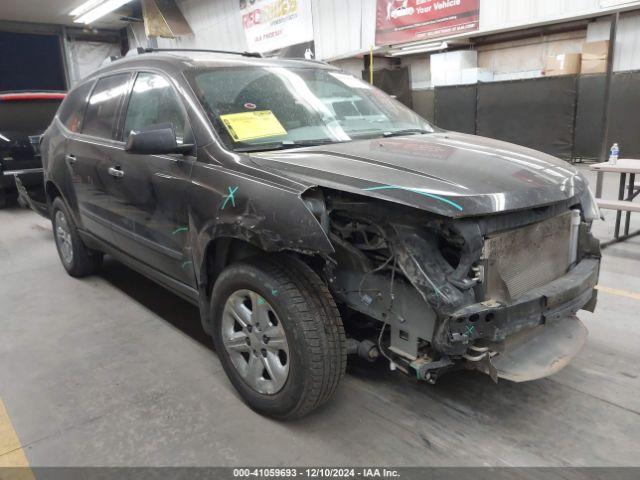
150, 210
92, 154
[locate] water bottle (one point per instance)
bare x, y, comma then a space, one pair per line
615, 152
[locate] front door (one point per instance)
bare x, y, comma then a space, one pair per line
149, 199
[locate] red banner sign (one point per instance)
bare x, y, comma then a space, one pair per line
400, 21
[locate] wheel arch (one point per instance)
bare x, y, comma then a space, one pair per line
225, 250
52, 191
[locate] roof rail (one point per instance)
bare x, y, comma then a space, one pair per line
227, 52
312, 60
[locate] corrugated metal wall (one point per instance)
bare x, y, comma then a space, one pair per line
628, 44
343, 26
502, 14
627, 52
340, 26
215, 24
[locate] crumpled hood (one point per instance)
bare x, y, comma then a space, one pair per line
451, 174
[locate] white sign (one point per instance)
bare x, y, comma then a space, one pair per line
273, 24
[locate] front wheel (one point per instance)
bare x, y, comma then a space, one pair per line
76, 258
279, 335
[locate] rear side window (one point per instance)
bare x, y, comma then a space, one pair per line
72, 109
104, 105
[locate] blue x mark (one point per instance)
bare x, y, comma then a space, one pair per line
230, 197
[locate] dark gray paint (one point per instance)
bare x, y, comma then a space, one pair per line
172, 216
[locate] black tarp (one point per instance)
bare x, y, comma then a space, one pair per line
624, 115
590, 116
455, 108
537, 113
423, 104
394, 81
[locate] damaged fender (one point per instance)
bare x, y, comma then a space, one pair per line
253, 207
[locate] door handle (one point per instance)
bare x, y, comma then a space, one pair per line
116, 172
71, 159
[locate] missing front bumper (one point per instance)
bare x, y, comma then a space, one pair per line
538, 352
492, 323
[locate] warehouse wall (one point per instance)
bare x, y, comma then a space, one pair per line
352, 65
627, 52
498, 15
215, 24
343, 27
526, 58
419, 67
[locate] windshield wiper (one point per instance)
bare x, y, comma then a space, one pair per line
406, 131
286, 144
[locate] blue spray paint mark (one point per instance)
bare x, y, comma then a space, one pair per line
274, 292
178, 230
260, 301
470, 329
417, 191
186, 264
230, 197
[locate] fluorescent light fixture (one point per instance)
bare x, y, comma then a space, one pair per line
100, 11
85, 7
2, 137
424, 48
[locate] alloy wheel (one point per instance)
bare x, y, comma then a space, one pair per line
63, 237
255, 340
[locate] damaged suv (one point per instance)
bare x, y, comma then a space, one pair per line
310, 217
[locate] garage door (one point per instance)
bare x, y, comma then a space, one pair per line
30, 62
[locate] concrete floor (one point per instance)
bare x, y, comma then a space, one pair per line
113, 370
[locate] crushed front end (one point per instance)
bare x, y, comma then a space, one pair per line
496, 293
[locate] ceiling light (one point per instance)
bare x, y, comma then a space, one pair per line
100, 11
85, 7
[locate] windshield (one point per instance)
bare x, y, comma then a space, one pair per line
261, 108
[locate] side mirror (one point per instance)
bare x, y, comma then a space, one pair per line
155, 140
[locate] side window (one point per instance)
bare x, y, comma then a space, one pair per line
153, 102
103, 107
72, 109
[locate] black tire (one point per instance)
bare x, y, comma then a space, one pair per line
84, 261
3, 198
312, 324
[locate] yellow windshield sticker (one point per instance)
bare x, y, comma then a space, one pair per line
252, 125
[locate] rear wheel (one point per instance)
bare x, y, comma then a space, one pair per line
279, 335
76, 258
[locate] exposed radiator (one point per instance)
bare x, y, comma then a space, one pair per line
526, 258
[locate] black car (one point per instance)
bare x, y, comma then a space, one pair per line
24, 116
311, 216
